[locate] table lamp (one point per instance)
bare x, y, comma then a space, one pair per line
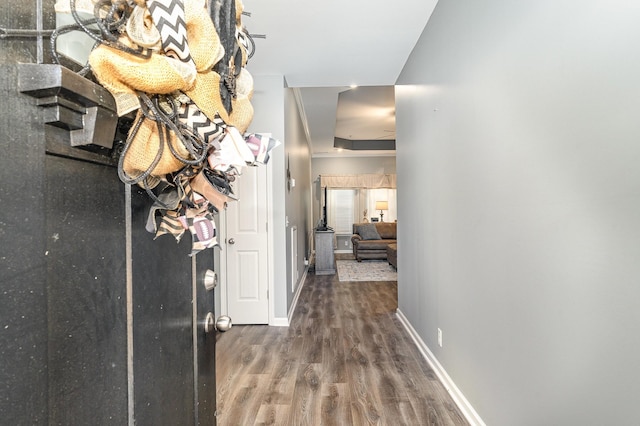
382, 205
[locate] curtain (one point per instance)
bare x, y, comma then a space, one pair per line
342, 211
364, 181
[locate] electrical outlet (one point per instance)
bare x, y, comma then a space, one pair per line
346, 243
439, 337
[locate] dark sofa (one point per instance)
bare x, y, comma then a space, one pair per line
367, 246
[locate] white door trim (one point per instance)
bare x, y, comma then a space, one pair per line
271, 247
222, 269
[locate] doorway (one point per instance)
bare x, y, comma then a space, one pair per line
244, 256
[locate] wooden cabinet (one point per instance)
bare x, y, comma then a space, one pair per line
325, 259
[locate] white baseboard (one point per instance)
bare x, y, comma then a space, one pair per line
285, 322
294, 302
279, 322
467, 410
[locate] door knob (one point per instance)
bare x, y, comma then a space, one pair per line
231, 241
210, 280
209, 323
223, 323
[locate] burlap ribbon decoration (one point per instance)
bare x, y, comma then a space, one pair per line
182, 120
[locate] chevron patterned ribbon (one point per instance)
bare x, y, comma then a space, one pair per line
210, 130
172, 207
243, 38
168, 16
171, 224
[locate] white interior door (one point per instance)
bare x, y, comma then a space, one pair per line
246, 249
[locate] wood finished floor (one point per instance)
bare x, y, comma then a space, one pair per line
344, 360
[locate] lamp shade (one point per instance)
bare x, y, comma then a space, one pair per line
382, 205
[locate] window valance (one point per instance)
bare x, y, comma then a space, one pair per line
370, 181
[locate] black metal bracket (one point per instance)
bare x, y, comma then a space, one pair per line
72, 103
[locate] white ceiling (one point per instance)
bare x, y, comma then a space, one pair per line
322, 47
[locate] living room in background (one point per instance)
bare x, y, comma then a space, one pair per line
349, 206
352, 199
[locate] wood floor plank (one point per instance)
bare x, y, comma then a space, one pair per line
336, 405
283, 383
333, 356
273, 415
401, 414
345, 360
366, 404
306, 403
312, 343
244, 402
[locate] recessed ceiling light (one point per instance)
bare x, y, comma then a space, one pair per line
353, 86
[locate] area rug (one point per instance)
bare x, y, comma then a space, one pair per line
367, 270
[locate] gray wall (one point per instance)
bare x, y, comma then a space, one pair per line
269, 106
275, 112
298, 206
518, 128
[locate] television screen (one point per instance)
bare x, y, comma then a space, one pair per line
322, 224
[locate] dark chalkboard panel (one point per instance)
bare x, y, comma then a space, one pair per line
99, 322
86, 292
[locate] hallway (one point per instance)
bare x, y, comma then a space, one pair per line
345, 360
